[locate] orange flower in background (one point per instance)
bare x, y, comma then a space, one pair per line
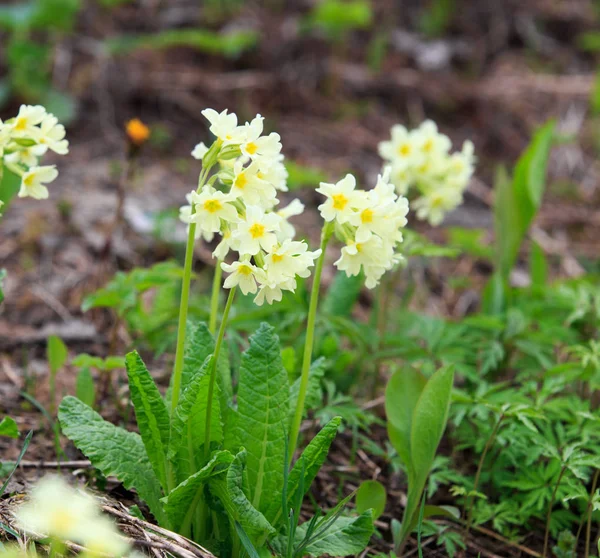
137, 131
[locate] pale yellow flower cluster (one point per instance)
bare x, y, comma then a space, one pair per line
368, 222
57, 510
420, 159
239, 204
24, 139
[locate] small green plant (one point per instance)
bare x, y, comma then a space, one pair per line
9, 428
417, 412
56, 353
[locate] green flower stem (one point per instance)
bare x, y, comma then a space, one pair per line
310, 337
214, 300
183, 305
213, 373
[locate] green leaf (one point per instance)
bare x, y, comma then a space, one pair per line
517, 202
56, 352
233, 494
85, 389
346, 536
263, 414
151, 414
538, 265
181, 502
2, 276
401, 396
371, 495
9, 186
342, 294
9, 428
310, 463
112, 450
188, 421
314, 391
435, 511
13, 466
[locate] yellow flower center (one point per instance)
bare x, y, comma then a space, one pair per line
404, 150
257, 230
241, 180
251, 148
428, 146
29, 180
358, 247
367, 216
339, 201
276, 258
21, 124
212, 205
245, 270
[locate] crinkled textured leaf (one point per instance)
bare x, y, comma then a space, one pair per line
345, 537
263, 412
230, 490
187, 429
183, 499
8, 427
199, 344
314, 456
151, 414
113, 450
401, 395
314, 392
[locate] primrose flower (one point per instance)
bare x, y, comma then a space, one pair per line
199, 151
242, 274
222, 125
211, 206
249, 184
274, 172
256, 231
257, 147
289, 259
370, 226
27, 156
25, 124
33, 182
271, 292
420, 160
57, 510
342, 200
286, 229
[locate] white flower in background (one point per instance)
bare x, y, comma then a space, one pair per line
224, 126
265, 149
243, 274
256, 231
52, 135
185, 216
199, 151
434, 205
289, 259
248, 185
342, 199
57, 510
430, 142
28, 156
210, 207
286, 229
25, 124
421, 160
33, 182
401, 150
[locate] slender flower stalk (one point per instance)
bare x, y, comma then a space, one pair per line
214, 299
308, 345
213, 373
183, 305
